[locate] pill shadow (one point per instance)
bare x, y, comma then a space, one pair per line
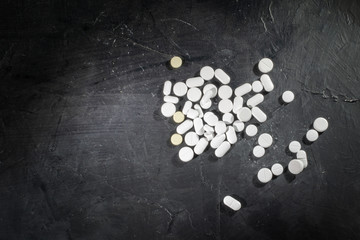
289, 177
157, 115
288, 152
212, 157
256, 70
281, 102
307, 142
257, 183
177, 162
283, 165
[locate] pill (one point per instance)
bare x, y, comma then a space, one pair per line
206, 105
199, 126
251, 130
210, 118
288, 96
296, 166
225, 105
222, 76
199, 109
220, 127
243, 89
192, 113
258, 151
301, 155
178, 117
195, 82
191, 139
212, 88
258, 114
222, 149
168, 109
277, 169
209, 136
167, 88
244, 114
186, 154
228, 118
217, 140
225, 92
255, 100
194, 94
180, 89
267, 83
200, 146
264, 175
171, 99
207, 73
208, 129
231, 135
320, 124
312, 135
237, 104
238, 126
187, 106
257, 86
176, 62
265, 65
265, 140
294, 146
232, 203
184, 126
176, 139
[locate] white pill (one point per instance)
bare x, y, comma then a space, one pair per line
294, 146
186, 154
296, 166
222, 76
207, 96
277, 169
265, 140
231, 135
187, 107
264, 175
255, 100
320, 124
217, 140
258, 151
267, 83
192, 113
206, 105
194, 94
312, 135
168, 109
208, 129
244, 114
199, 126
243, 89
222, 149
167, 88
258, 114
209, 136
191, 139
232, 203
180, 89
265, 65
200, 146
171, 99
225, 92
225, 105
288, 96
195, 82
207, 73
251, 130
301, 155
184, 126
212, 88
237, 104
210, 118
238, 126
257, 86
228, 118
199, 109
220, 127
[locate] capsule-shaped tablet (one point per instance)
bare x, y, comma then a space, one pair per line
192, 113
208, 129
244, 114
200, 146
267, 83
228, 118
195, 82
167, 88
210, 118
187, 106
237, 104
222, 149
199, 126
231, 135
199, 109
255, 100
209, 136
171, 99
243, 89
232, 203
301, 155
217, 140
222, 76
258, 114
184, 126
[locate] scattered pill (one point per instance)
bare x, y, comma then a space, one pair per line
180, 89
277, 169
191, 139
231, 135
265, 140
296, 166
232, 203
228, 118
212, 88
258, 114
171, 99
222, 76
187, 107
207, 73
210, 118
178, 117
220, 127
184, 126
168, 109
257, 86
237, 104
265, 65
244, 114
301, 155
222, 149
251, 130
186, 154
167, 88
294, 146
201, 146
225, 105
255, 100
225, 92
243, 89
288, 96
195, 82
258, 151
176, 139
199, 126
312, 135
217, 140
320, 124
209, 136
194, 94
199, 109
208, 128
176, 62
206, 105
264, 175
267, 83
192, 113
238, 126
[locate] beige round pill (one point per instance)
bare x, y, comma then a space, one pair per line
176, 62
176, 139
178, 117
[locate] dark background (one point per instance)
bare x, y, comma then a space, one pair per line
84, 151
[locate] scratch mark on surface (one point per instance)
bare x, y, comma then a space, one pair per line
98, 17
179, 20
264, 24
145, 47
324, 95
271, 15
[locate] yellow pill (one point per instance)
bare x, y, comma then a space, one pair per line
176, 139
178, 117
176, 62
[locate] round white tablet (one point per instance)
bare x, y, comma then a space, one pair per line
207, 73
228, 118
320, 124
257, 86
264, 175
194, 94
238, 126
210, 87
244, 114
265, 65
180, 89
210, 118
265, 140
294, 146
186, 154
258, 151
225, 106
220, 127
277, 169
288, 96
251, 130
225, 92
168, 109
312, 135
296, 166
191, 139
205, 105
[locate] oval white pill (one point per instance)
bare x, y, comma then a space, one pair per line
265, 65
222, 76
194, 94
208, 129
217, 140
199, 126
225, 92
199, 109
243, 89
168, 109
225, 105
296, 166
244, 114
207, 73
167, 88
251, 130
180, 89
222, 149
277, 169
184, 126
206, 105
200, 146
267, 83
231, 135
195, 82
294, 146
258, 114
237, 104
264, 175
228, 118
312, 135
232, 203
187, 106
238, 126
192, 113
210, 118
320, 124
301, 155
171, 99
257, 86
212, 88
186, 154
191, 139
265, 140
258, 151
255, 100
220, 127
209, 136
288, 96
